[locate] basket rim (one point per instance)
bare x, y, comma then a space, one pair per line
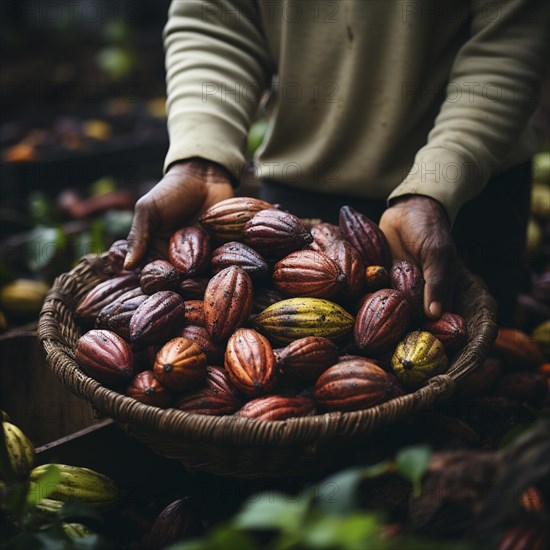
310, 431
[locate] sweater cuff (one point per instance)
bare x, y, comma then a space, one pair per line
445, 176
207, 137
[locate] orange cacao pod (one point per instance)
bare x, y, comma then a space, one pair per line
449, 329
180, 364
105, 293
213, 351
189, 251
381, 321
236, 253
147, 389
250, 362
158, 275
515, 348
376, 278
194, 313
351, 265
274, 234
365, 236
308, 273
227, 302
105, 356
354, 384
160, 316
276, 407
407, 278
225, 219
307, 358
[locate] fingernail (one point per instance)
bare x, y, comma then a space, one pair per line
435, 309
128, 261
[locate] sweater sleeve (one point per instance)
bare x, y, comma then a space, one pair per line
217, 66
493, 90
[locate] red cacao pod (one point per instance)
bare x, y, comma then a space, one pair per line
525, 537
250, 362
213, 351
449, 329
194, 313
274, 234
236, 253
479, 380
189, 251
209, 402
217, 380
158, 275
180, 364
116, 316
381, 321
147, 389
194, 288
354, 384
308, 273
323, 235
104, 293
376, 278
365, 236
159, 317
105, 356
117, 255
276, 407
407, 278
225, 220
307, 358
516, 349
351, 265
227, 302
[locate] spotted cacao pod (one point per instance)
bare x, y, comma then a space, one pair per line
213, 350
407, 278
323, 235
194, 313
189, 251
236, 253
449, 329
276, 407
158, 275
351, 265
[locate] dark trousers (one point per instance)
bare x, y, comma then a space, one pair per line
489, 231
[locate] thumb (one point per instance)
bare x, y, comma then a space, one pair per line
138, 238
438, 272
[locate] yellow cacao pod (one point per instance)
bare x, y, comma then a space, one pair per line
20, 450
23, 298
76, 531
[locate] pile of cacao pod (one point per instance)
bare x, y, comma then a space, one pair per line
258, 314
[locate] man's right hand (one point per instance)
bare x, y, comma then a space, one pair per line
178, 199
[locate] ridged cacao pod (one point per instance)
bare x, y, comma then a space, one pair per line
127, 302
218, 398
226, 219
532, 499
189, 251
323, 235
227, 302
449, 329
160, 316
194, 313
265, 297
365, 236
376, 278
516, 349
158, 275
274, 234
105, 356
381, 321
407, 278
525, 537
193, 289
276, 407
214, 352
117, 255
180, 364
20, 450
308, 273
236, 253
354, 384
177, 522
104, 293
307, 358
351, 265
217, 380
250, 362
419, 356
524, 387
295, 318
147, 389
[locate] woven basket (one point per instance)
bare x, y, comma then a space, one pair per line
242, 447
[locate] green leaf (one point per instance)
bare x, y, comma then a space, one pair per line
40, 208
44, 486
271, 510
102, 186
412, 463
512, 435
43, 245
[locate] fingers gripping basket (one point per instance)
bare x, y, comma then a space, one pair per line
242, 447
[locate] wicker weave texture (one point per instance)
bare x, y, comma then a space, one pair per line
242, 447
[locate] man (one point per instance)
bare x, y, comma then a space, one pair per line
409, 104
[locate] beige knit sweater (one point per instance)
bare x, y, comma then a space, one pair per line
371, 98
